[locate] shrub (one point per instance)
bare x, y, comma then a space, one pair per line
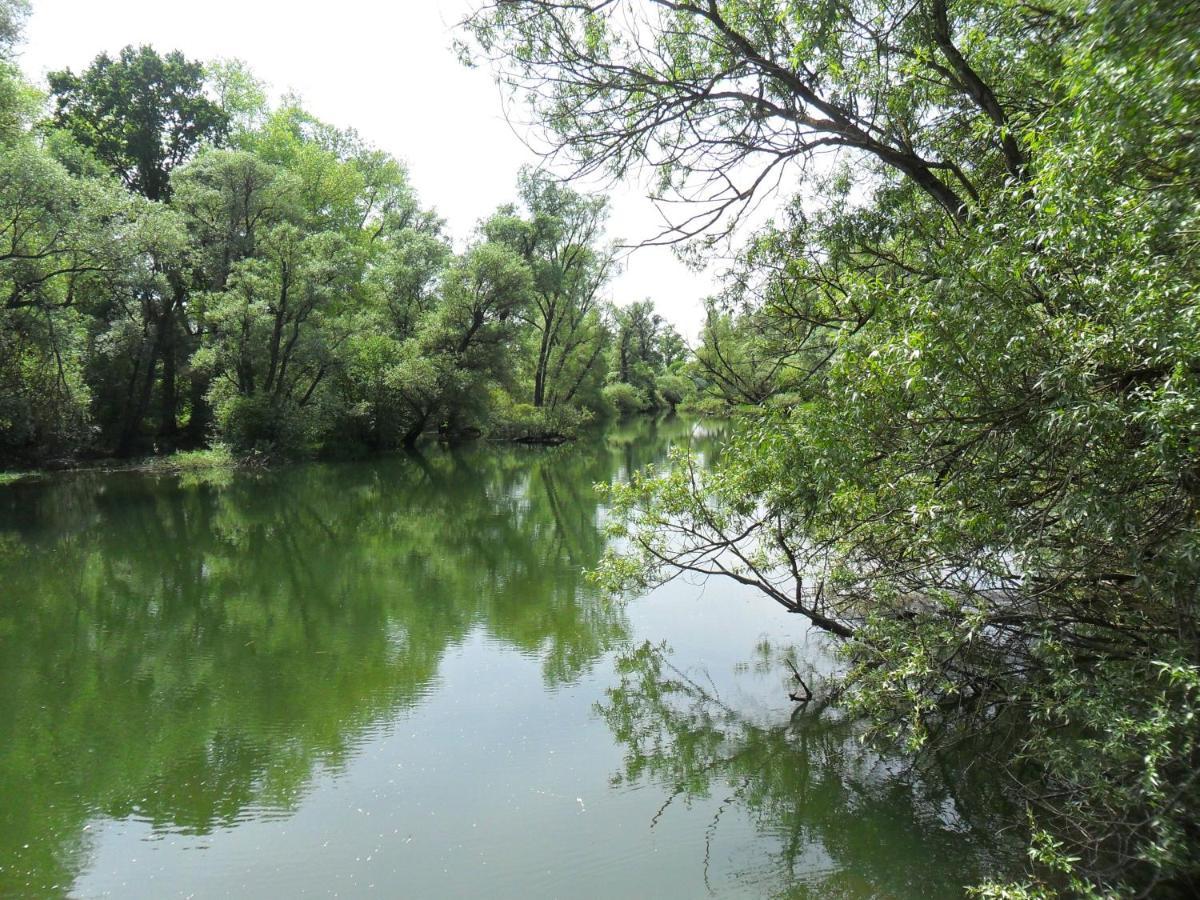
625, 399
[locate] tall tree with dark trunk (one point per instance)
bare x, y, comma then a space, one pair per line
142, 115
561, 242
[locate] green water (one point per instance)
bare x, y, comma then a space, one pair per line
390, 678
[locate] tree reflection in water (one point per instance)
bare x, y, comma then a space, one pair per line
847, 819
191, 651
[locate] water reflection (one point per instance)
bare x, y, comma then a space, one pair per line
199, 656
844, 819
189, 651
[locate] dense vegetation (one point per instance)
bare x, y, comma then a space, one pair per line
971, 353
181, 263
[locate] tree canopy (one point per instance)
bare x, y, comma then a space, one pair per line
183, 262
967, 350
141, 114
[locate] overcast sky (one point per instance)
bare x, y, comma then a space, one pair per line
385, 68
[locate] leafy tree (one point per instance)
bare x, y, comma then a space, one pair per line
17, 99
560, 241
68, 246
987, 489
672, 389
12, 23
276, 332
403, 289
133, 327
466, 340
142, 114
636, 351
287, 291
239, 94
702, 90
743, 359
625, 399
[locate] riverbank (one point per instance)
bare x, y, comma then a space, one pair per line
512, 431
223, 457
219, 457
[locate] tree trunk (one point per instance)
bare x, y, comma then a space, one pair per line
169, 400
139, 400
539, 376
414, 432
201, 415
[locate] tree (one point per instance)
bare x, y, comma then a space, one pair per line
637, 354
265, 278
17, 103
239, 94
51, 244
987, 490
132, 324
403, 288
142, 114
13, 14
276, 334
753, 351
705, 91
646, 352
560, 243
464, 342
70, 247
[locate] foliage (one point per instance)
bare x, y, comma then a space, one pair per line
218, 456
644, 345
560, 241
531, 424
974, 458
625, 399
142, 114
182, 262
672, 389
12, 20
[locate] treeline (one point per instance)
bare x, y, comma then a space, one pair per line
181, 263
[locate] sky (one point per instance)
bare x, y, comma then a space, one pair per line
385, 68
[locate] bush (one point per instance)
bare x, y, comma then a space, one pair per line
253, 424
525, 422
673, 389
625, 399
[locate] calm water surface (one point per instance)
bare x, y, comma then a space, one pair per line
390, 678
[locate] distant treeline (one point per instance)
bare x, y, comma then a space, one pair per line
182, 263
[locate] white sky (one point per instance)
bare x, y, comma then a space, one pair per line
383, 67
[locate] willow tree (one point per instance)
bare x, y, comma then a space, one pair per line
142, 115
560, 237
987, 493
70, 246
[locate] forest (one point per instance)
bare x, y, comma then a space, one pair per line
184, 265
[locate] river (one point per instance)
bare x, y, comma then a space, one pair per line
390, 677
